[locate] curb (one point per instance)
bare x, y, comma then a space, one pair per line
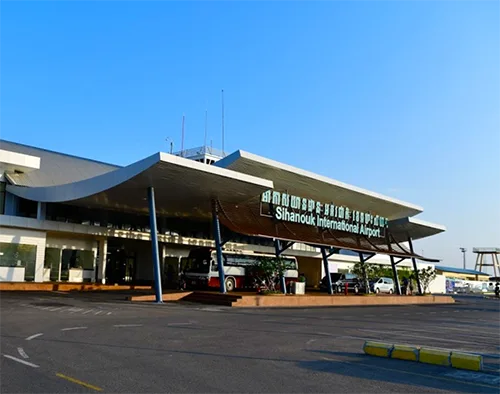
447, 358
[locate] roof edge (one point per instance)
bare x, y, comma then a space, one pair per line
230, 159
221, 171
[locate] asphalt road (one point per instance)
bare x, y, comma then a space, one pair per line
57, 343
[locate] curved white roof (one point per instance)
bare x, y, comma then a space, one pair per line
403, 228
320, 188
182, 187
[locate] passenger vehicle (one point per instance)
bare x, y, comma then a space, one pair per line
339, 281
200, 269
383, 285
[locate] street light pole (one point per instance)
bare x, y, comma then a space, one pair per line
463, 250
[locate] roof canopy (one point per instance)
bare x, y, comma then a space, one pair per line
246, 219
307, 184
185, 188
182, 187
404, 228
460, 270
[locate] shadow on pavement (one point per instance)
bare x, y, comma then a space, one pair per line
360, 366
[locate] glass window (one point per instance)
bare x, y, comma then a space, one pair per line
19, 255
238, 260
52, 261
2, 198
83, 259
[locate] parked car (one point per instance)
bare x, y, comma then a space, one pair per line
383, 285
339, 281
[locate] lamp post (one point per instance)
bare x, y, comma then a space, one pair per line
463, 250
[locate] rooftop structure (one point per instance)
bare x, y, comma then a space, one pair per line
203, 154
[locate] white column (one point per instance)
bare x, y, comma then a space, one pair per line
103, 252
40, 259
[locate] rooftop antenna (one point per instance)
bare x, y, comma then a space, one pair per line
206, 127
182, 140
171, 144
222, 121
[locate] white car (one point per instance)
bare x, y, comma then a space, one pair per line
383, 285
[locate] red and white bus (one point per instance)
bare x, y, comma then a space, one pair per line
201, 271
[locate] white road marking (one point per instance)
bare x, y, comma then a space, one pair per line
21, 361
98, 313
60, 292
109, 313
310, 341
21, 351
73, 328
55, 309
90, 310
127, 325
34, 336
494, 380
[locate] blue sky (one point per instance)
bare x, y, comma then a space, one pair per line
401, 98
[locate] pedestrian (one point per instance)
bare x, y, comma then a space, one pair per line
406, 284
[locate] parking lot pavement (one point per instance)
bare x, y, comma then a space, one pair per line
200, 348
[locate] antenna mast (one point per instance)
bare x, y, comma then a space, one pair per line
206, 127
182, 140
222, 121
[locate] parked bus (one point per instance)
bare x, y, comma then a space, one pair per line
200, 268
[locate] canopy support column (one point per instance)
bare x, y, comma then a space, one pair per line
415, 268
363, 261
395, 275
278, 251
218, 247
154, 244
326, 266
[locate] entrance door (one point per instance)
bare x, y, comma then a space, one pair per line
120, 266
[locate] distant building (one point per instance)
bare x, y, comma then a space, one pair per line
460, 273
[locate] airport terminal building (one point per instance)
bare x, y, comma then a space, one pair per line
66, 218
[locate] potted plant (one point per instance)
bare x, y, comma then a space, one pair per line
299, 287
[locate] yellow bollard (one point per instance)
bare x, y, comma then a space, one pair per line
473, 362
435, 356
377, 349
402, 352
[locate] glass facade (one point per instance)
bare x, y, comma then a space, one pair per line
2, 198
183, 227
52, 261
19, 255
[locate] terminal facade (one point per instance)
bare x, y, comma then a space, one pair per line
66, 218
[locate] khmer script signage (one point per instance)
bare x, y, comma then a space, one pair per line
301, 210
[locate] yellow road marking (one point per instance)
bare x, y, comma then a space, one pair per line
73, 380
